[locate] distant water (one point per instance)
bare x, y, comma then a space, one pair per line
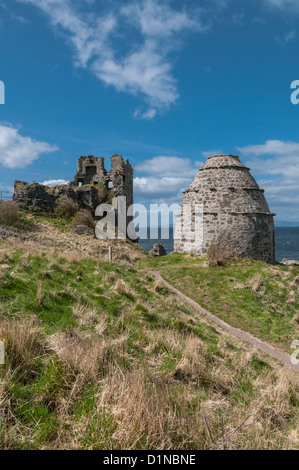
287, 243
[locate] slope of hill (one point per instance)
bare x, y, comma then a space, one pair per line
102, 356
57, 234
257, 297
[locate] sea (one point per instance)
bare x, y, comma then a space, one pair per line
287, 243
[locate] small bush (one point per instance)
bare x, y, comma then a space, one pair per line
84, 217
67, 207
9, 213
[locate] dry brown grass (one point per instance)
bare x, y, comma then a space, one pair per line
123, 288
88, 317
142, 413
52, 242
87, 355
23, 344
135, 408
139, 374
9, 213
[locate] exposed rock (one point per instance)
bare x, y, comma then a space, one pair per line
83, 229
232, 211
158, 250
36, 196
288, 262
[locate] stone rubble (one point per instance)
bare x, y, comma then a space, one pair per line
158, 250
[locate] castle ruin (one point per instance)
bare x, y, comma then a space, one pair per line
91, 170
93, 185
234, 212
118, 181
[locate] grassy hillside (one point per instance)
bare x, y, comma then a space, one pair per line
44, 232
101, 356
257, 297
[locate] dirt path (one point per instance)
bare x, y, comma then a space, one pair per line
243, 335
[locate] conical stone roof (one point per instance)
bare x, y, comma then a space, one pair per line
233, 206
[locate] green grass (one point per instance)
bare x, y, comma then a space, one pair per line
58, 222
100, 356
254, 296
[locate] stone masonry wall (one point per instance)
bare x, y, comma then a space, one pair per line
234, 210
119, 180
92, 186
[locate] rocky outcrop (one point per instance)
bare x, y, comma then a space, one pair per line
37, 197
33, 196
158, 250
83, 230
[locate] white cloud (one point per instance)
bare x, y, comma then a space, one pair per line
164, 188
158, 19
284, 158
54, 182
88, 37
168, 166
276, 163
292, 5
144, 69
17, 151
165, 178
283, 41
12, 14
149, 114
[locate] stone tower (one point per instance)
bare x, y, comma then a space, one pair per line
233, 210
91, 170
119, 180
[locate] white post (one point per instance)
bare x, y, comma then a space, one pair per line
110, 254
2, 354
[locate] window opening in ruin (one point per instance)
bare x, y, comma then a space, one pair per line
91, 170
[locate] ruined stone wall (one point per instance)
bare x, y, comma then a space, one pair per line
92, 186
234, 210
37, 197
90, 170
120, 181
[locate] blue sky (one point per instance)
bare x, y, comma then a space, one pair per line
162, 83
